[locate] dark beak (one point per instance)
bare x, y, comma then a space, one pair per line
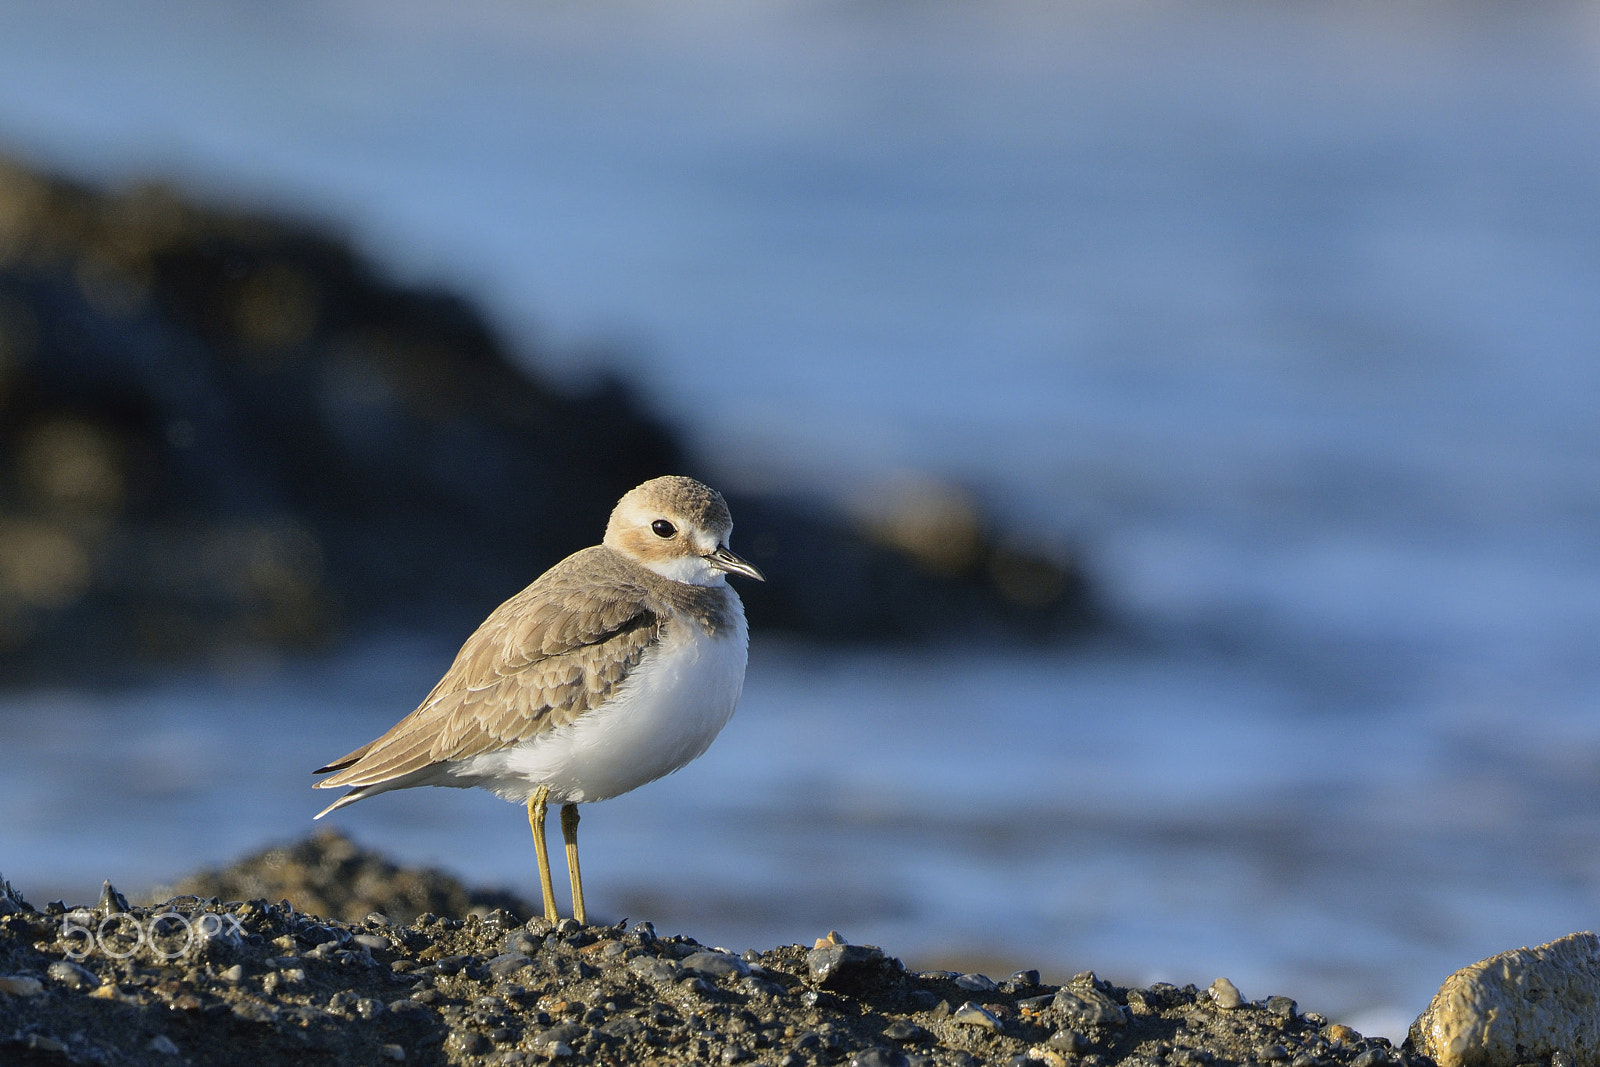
722, 559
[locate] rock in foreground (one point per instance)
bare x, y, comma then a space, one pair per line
200, 981
1529, 1004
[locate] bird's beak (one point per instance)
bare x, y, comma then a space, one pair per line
724, 560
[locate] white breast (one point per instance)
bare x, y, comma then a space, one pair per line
665, 713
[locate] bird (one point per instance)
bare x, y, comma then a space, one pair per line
615, 667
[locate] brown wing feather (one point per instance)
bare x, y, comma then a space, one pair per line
554, 651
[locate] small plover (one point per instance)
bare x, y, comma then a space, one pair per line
617, 666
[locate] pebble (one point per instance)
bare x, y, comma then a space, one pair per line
1339, 1034
373, 942
1272, 1053
234, 974
509, 963
162, 1043
72, 975
975, 983
1068, 1040
1088, 1007
715, 965
970, 1014
1226, 995
21, 987
393, 1052
833, 964
1282, 1006
111, 901
878, 1057
255, 1011
465, 1043
904, 1030
653, 970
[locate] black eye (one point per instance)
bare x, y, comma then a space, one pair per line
663, 528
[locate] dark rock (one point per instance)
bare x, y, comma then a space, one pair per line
846, 967
1283, 1007
73, 975
221, 431
1087, 1007
714, 965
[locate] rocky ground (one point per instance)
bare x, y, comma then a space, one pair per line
202, 980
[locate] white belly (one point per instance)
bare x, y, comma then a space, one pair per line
666, 713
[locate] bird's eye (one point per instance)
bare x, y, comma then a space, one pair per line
663, 528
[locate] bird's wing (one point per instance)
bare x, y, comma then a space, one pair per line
543, 658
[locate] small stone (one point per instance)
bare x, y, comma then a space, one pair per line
111, 901
1307, 1059
735, 1054
1226, 995
1377, 1057
969, 1014
653, 970
374, 942
392, 1052
558, 1050
1068, 1040
643, 931
841, 966
72, 975
163, 1044
1283, 1007
368, 1008
21, 987
1272, 1053
715, 965
568, 927
255, 1011
508, 963
465, 1043
878, 1057
1088, 1007
45, 1044
1048, 1056
406, 1006
904, 1030
975, 983
1339, 1034
1027, 979
234, 974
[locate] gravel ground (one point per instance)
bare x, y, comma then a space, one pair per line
196, 980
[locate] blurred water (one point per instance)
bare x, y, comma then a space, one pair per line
1289, 316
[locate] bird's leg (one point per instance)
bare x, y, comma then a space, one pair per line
536, 807
569, 830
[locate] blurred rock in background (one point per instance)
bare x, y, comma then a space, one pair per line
222, 432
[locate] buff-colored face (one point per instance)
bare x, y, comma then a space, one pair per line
678, 528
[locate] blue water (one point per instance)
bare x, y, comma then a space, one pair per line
1287, 317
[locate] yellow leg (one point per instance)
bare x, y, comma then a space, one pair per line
536, 808
569, 830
